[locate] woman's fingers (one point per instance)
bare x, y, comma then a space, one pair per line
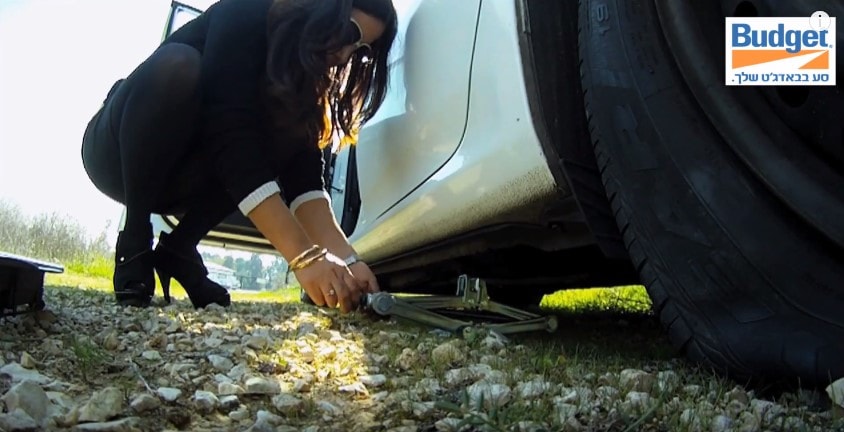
343, 294
356, 288
330, 293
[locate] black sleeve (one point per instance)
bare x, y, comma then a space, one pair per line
304, 173
233, 64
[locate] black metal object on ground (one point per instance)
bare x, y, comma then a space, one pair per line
22, 283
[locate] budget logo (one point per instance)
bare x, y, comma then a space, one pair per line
781, 51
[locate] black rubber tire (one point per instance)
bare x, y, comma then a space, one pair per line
740, 282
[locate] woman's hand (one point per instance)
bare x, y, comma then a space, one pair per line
329, 282
364, 275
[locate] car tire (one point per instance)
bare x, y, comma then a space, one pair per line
740, 279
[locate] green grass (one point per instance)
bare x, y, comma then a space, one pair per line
99, 266
626, 299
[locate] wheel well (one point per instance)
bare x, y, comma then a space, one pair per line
550, 59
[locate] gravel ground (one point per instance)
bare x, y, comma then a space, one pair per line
87, 365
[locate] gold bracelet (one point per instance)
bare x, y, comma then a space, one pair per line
306, 262
295, 261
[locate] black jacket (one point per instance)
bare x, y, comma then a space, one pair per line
241, 152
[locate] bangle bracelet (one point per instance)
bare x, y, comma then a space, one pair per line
310, 260
295, 261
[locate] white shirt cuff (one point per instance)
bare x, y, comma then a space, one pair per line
258, 196
308, 196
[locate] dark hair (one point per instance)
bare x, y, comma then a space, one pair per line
307, 97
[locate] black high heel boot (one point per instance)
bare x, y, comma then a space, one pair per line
134, 280
187, 268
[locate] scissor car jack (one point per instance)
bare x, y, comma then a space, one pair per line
470, 301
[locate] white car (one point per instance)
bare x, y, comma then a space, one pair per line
544, 145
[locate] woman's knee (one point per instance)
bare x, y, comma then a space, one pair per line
176, 68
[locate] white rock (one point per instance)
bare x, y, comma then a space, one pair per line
18, 421
257, 342
222, 364
205, 401
493, 395
407, 359
356, 388
287, 404
265, 422
228, 403
111, 341
667, 381
213, 342
794, 424
447, 353
428, 387
448, 424
532, 389
301, 386
227, 389
373, 380
765, 410
638, 400
18, 373
61, 401
173, 327
739, 395
329, 408
240, 414
492, 342
577, 395
238, 371
692, 390
564, 412
721, 423
306, 353
123, 425
836, 392
734, 408
636, 380
102, 406
261, 385
422, 409
689, 416
151, 355
749, 422
145, 402
220, 378
29, 397
380, 396
497, 377
27, 361
169, 394
327, 352
607, 392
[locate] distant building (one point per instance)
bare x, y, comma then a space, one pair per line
222, 275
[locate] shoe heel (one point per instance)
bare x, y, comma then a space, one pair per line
165, 277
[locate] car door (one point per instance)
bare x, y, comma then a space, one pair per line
421, 123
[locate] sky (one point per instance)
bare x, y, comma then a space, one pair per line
58, 59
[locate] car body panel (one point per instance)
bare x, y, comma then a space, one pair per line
499, 172
422, 120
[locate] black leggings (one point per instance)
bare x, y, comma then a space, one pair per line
140, 148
